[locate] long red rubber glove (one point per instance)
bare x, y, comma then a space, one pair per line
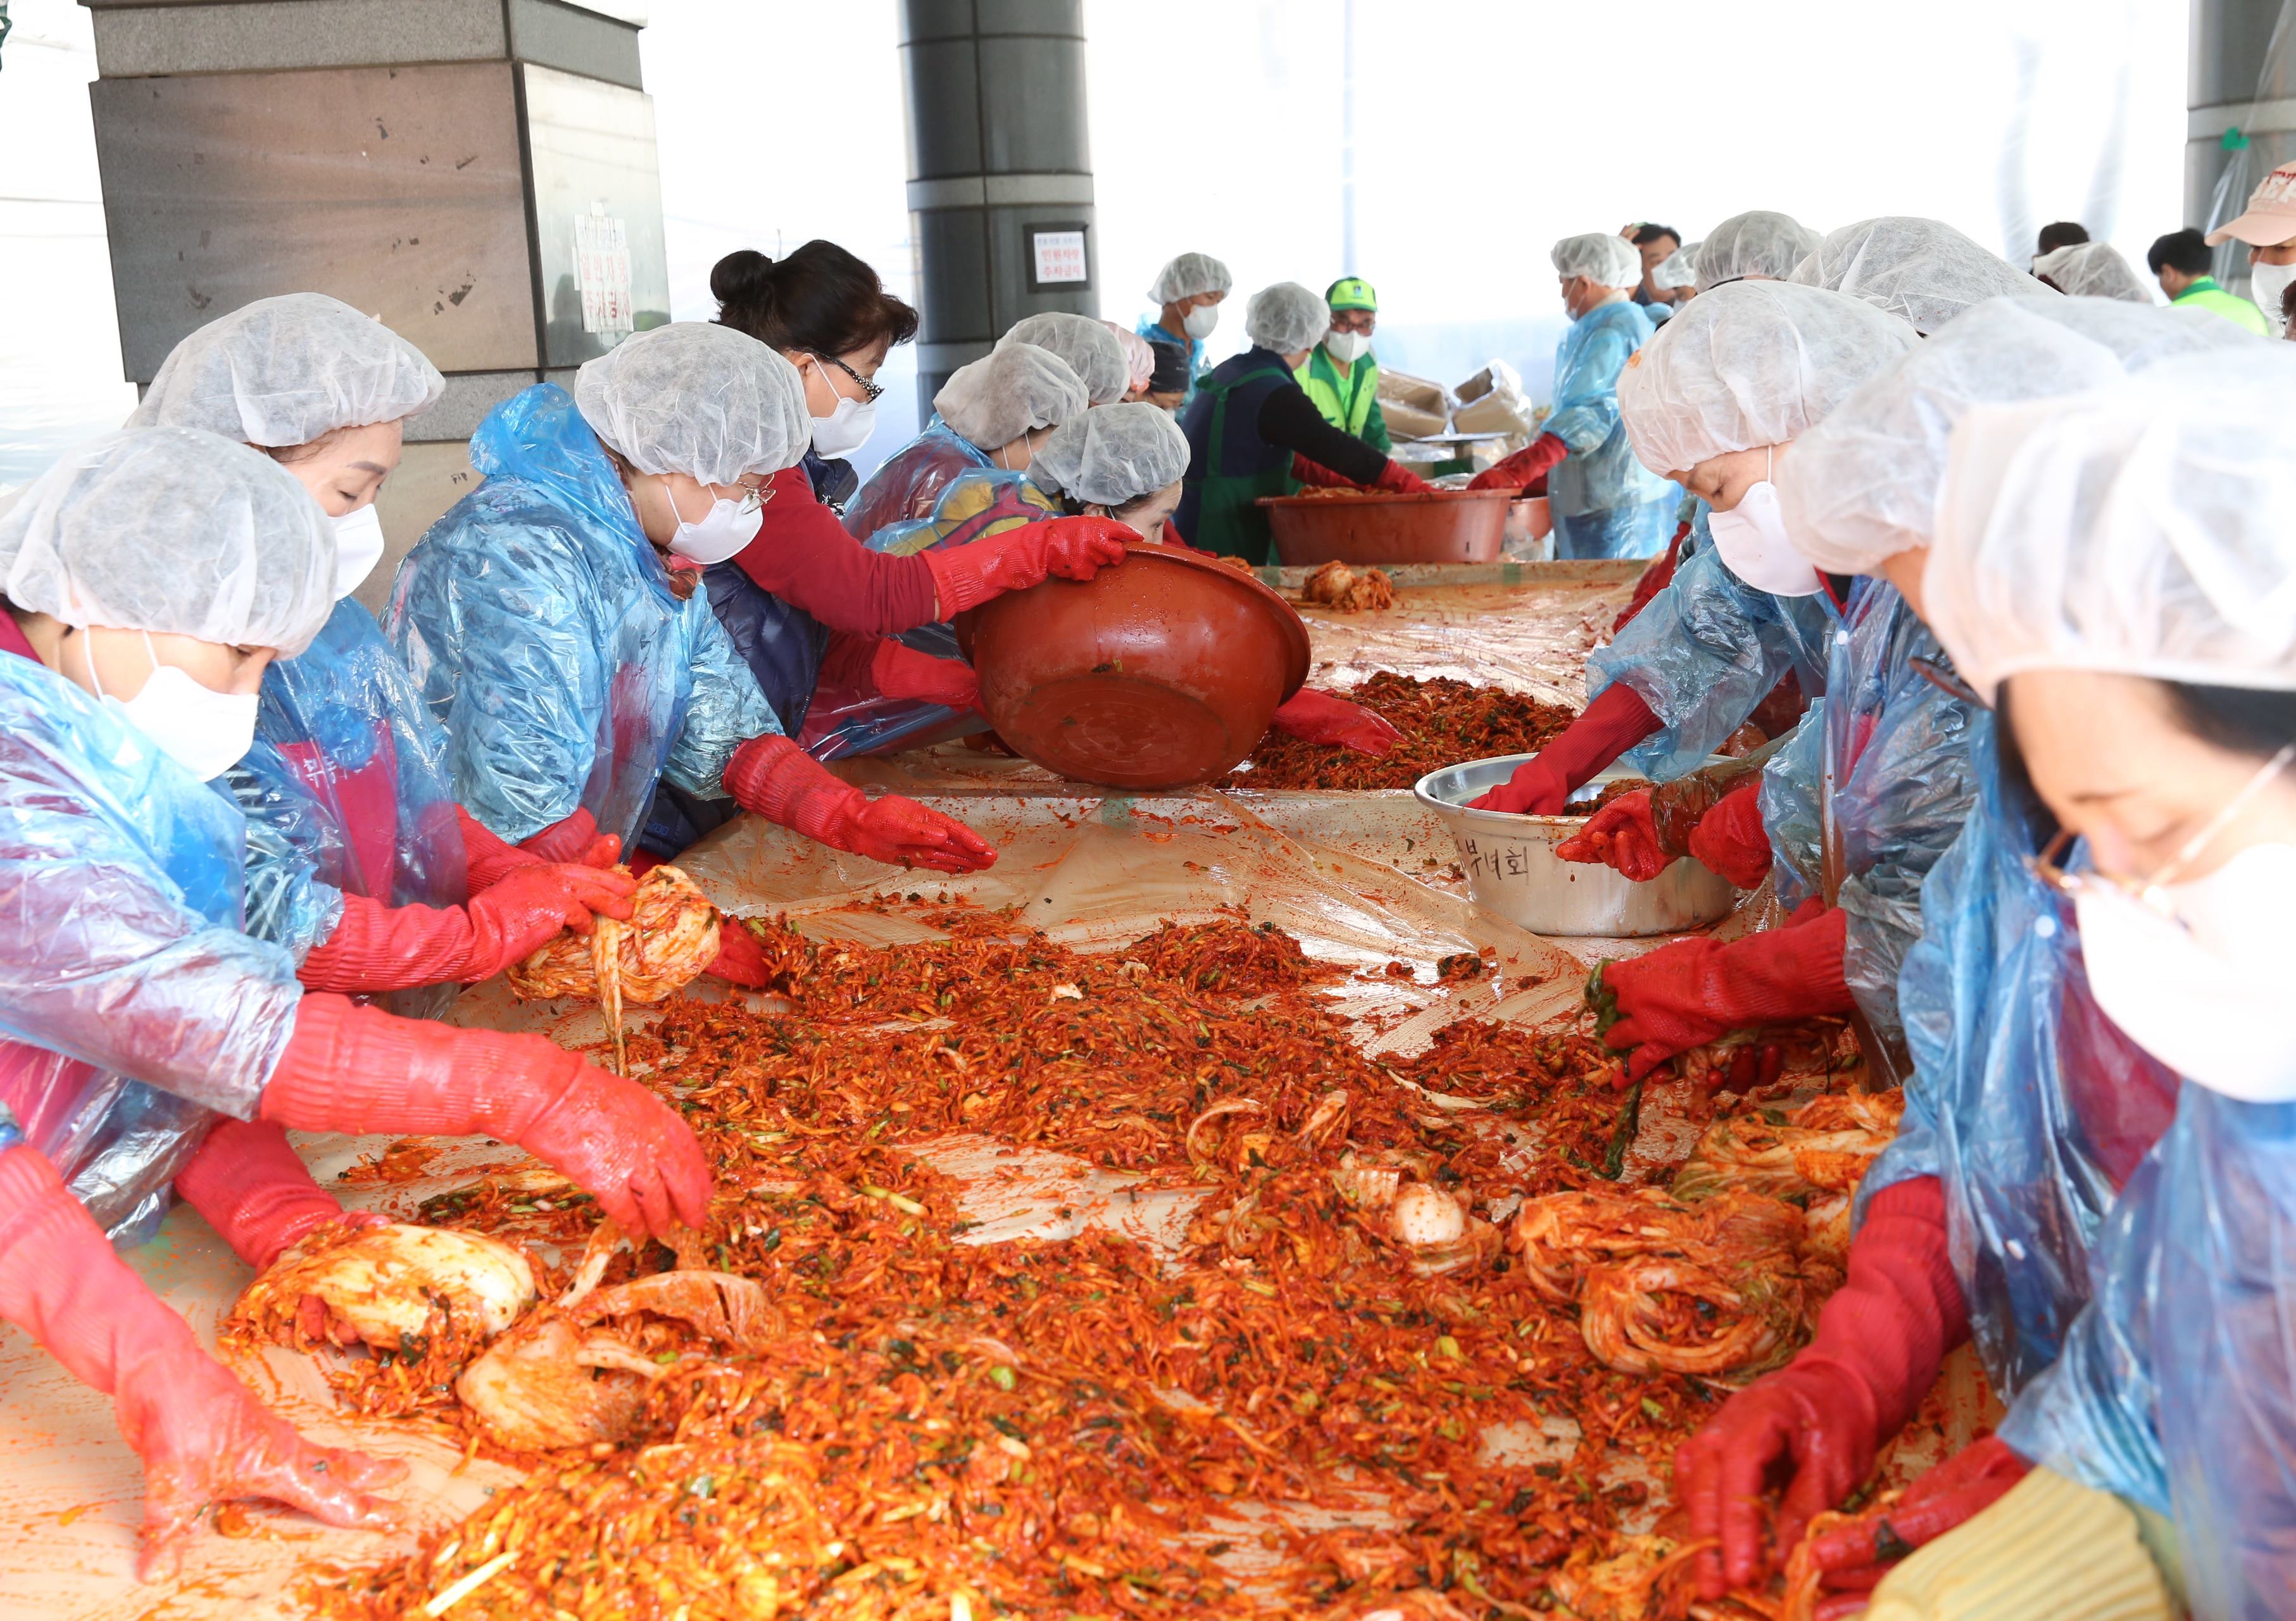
1880, 1340
1730, 841
1527, 469
1074, 549
1400, 480
1687, 993
774, 779
575, 838
1314, 475
1614, 722
899, 672
487, 858
256, 1191
202, 1436
391, 947
355, 1069
1624, 835
1656, 576
1321, 717
1856, 1555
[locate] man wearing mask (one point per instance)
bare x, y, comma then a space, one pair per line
1340, 375
2269, 230
1188, 290
2181, 262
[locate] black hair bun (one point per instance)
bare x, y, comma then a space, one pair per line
743, 278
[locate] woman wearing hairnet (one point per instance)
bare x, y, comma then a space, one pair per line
1606, 502
1758, 246
579, 676
2112, 571
148, 579
1139, 361
1922, 271
1745, 371
1252, 432
1188, 292
358, 865
2024, 1109
2091, 269
807, 578
992, 412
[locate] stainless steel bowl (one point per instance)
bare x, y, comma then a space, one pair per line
1513, 870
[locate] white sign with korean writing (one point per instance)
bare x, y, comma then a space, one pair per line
1060, 259
602, 272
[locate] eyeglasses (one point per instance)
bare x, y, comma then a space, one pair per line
2048, 866
869, 391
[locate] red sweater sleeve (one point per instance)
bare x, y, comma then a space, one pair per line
803, 555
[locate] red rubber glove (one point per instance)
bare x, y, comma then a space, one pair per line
256, 1192
1622, 835
1856, 1555
391, 947
1880, 1340
355, 1069
1396, 477
1656, 576
1321, 717
1688, 993
1614, 722
489, 860
741, 960
1317, 476
202, 1436
1729, 839
774, 779
1526, 469
1074, 549
575, 839
899, 672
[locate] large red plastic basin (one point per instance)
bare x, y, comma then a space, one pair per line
1437, 526
1161, 672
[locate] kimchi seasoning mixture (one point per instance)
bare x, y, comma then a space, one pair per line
1442, 721
948, 1428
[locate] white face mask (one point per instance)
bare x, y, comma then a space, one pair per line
2197, 973
1201, 320
358, 547
1752, 538
846, 429
204, 732
1347, 348
2266, 283
724, 530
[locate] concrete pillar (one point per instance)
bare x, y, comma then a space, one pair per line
2240, 77
479, 174
1000, 172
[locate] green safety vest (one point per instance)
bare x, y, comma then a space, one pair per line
1346, 402
1229, 520
2205, 294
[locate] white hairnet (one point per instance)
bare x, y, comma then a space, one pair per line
1602, 258
1114, 456
1188, 275
2147, 528
1759, 243
1862, 484
699, 398
1090, 348
175, 530
1287, 317
1679, 268
283, 371
1139, 359
2092, 269
1013, 389
1752, 363
1920, 270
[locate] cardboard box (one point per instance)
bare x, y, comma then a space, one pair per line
1502, 410
1498, 375
1402, 389
1409, 422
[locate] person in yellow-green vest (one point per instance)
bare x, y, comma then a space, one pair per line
1340, 376
2181, 262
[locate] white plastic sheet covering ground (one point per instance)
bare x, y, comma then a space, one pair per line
1362, 880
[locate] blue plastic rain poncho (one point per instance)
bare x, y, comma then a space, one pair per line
123, 954
347, 790
908, 482
1606, 502
1705, 652
540, 625
2030, 1107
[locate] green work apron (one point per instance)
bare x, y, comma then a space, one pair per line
1228, 519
